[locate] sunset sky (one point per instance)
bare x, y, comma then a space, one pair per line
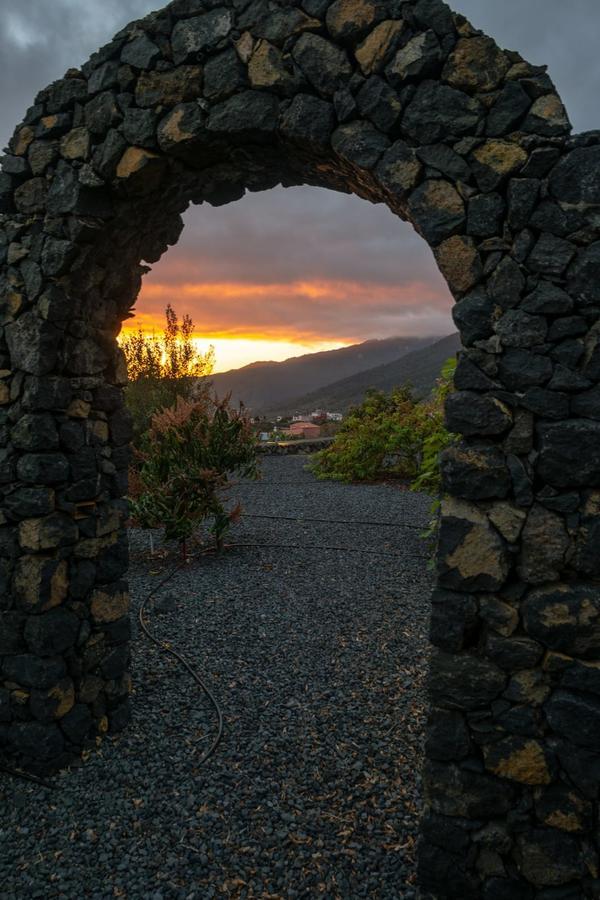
290, 271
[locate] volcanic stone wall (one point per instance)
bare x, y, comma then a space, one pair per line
402, 103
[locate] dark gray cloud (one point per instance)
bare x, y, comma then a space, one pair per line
310, 234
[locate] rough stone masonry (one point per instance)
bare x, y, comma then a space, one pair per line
402, 103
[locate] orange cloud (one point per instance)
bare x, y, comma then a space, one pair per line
305, 310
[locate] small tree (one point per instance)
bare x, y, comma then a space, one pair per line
186, 461
162, 368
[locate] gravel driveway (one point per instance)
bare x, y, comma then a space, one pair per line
317, 657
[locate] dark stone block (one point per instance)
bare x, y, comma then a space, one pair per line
121, 427
120, 717
551, 255
52, 633
250, 113
548, 300
28, 502
475, 472
584, 276
470, 414
224, 74
36, 741
77, 724
575, 717
506, 284
453, 620
449, 833
520, 369
436, 15
104, 77
379, 103
11, 632
43, 468
57, 256
5, 710
82, 578
454, 791
567, 327
33, 344
107, 155
570, 453
521, 481
518, 329
474, 317
139, 127
437, 210
141, 52
420, 58
507, 889
512, 104
116, 662
447, 737
522, 198
324, 65
32, 671
576, 178
485, 215
360, 143
309, 119
445, 874
540, 162
438, 111
68, 195
446, 161
569, 353
399, 170
72, 436
523, 720
587, 404
464, 682
546, 404
35, 432
102, 113
469, 377
112, 563
513, 654
195, 36
46, 393
565, 618
47, 706
118, 632
550, 857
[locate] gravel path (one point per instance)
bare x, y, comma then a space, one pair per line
317, 657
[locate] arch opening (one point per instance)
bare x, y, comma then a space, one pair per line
399, 103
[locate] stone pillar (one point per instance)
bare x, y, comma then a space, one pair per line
513, 763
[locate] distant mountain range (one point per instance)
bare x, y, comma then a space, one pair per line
269, 385
420, 368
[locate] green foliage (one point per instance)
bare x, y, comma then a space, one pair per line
186, 461
391, 435
162, 368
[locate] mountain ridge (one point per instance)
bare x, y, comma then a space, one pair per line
266, 384
420, 368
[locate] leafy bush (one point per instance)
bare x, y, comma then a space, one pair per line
185, 464
391, 435
162, 368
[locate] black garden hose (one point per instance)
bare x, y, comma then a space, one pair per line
166, 649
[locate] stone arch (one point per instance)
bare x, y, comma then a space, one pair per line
402, 103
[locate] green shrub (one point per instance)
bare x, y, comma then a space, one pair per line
391, 435
185, 464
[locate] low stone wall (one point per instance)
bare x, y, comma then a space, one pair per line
288, 448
